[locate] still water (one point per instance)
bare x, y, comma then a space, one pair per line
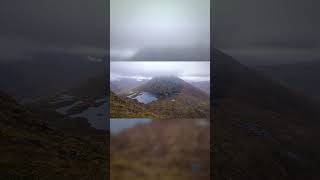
143, 97
119, 124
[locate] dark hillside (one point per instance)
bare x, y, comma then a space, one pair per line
262, 130
30, 149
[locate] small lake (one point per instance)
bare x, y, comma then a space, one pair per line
96, 116
143, 97
119, 124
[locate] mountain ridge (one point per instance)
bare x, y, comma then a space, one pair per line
258, 120
299, 76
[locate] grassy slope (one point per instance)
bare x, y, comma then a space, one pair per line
187, 104
30, 149
126, 108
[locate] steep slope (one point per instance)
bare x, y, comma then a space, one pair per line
32, 150
203, 85
261, 129
299, 76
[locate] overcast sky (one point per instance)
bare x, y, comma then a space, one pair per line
251, 30
149, 24
267, 30
78, 26
191, 71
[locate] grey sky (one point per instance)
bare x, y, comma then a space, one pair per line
267, 30
251, 30
81, 26
45, 25
194, 71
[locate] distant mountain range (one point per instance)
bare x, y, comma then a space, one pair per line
262, 130
298, 76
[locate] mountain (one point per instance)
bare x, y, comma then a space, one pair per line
164, 86
30, 149
298, 76
175, 98
44, 74
262, 130
161, 97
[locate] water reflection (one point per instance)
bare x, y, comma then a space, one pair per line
143, 97
119, 124
95, 115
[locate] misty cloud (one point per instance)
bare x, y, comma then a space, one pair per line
196, 71
145, 24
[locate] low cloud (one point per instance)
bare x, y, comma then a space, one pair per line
196, 71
